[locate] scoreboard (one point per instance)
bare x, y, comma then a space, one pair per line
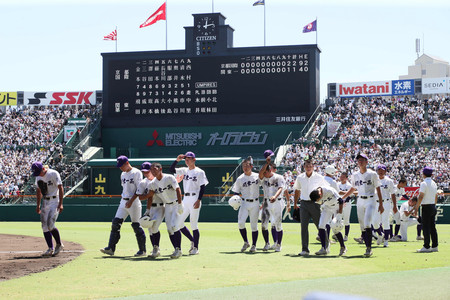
221, 86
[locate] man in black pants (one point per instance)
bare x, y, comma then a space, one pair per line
428, 200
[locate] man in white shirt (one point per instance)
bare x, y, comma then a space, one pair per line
367, 183
247, 185
130, 179
428, 200
303, 186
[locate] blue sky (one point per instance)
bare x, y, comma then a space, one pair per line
57, 45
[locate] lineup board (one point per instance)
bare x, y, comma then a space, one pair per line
272, 88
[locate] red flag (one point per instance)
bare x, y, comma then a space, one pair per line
111, 37
160, 14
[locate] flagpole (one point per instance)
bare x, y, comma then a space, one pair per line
166, 25
212, 2
316, 30
264, 23
116, 38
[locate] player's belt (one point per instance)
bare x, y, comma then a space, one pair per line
126, 199
51, 197
159, 204
384, 200
251, 200
170, 202
190, 194
366, 197
269, 199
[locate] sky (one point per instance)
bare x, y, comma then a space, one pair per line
56, 45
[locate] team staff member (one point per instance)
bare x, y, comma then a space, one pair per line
247, 185
428, 200
366, 181
50, 194
303, 186
194, 182
130, 179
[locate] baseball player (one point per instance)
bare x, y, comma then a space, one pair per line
156, 211
408, 217
330, 172
366, 181
130, 179
399, 194
50, 194
331, 204
344, 186
389, 200
194, 183
247, 185
273, 186
166, 187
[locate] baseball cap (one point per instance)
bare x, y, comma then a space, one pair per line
121, 160
382, 167
427, 171
268, 153
362, 155
37, 167
190, 154
145, 167
330, 170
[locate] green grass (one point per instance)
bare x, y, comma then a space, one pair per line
221, 269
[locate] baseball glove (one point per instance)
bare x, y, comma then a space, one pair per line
296, 214
43, 187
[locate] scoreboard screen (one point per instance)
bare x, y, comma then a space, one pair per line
264, 85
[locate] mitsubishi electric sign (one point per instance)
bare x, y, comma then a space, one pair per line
435, 85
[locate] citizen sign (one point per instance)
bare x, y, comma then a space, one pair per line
59, 98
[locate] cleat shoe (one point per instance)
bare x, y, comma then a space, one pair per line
192, 247
155, 252
48, 253
359, 240
58, 248
419, 238
322, 251
246, 245
343, 251
274, 246
395, 238
266, 247
368, 252
386, 244
177, 253
304, 253
195, 251
332, 242
140, 253
253, 249
107, 250
424, 250
345, 238
435, 249
380, 239
278, 248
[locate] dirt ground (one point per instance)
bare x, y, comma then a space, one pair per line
21, 255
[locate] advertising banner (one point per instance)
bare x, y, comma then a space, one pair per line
59, 98
8, 98
435, 85
69, 131
403, 87
361, 89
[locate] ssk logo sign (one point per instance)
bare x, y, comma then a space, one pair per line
59, 98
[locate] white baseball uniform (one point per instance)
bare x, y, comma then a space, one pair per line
329, 206
387, 190
157, 208
347, 210
248, 187
366, 184
192, 180
399, 192
406, 221
166, 190
49, 201
130, 181
270, 187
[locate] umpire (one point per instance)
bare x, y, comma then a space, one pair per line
303, 186
428, 200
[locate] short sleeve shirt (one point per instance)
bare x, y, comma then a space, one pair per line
365, 183
192, 179
247, 186
429, 188
52, 179
130, 181
166, 188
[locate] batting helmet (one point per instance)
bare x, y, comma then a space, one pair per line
235, 202
337, 225
146, 222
